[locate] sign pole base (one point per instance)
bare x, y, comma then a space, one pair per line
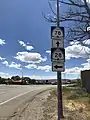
59, 90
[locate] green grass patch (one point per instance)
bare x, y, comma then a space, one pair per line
75, 93
67, 89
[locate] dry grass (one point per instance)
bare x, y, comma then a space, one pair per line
49, 110
76, 105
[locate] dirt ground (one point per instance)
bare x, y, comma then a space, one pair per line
44, 107
33, 110
76, 105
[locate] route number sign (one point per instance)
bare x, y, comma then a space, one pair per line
57, 54
56, 32
57, 50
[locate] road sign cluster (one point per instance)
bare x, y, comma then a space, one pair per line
57, 50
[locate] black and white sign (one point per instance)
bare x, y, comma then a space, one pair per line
57, 44
58, 66
88, 29
57, 54
57, 50
57, 32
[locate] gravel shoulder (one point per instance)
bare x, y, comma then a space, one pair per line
43, 106
33, 109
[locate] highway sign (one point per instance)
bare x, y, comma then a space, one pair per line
88, 29
58, 66
57, 43
57, 54
57, 32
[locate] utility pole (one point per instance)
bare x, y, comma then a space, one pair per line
59, 82
22, 73
58, 58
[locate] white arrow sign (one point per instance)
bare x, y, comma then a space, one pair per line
57, 66
57, 43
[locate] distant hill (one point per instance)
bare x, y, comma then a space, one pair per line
53, 80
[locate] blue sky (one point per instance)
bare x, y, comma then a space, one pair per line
25, 42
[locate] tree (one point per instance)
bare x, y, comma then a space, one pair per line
15, 77
78, 14
33, 81
27, 79
79, 82
0, 79
46, 81
3, 80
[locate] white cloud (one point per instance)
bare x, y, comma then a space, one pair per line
5, 63
12, 65
4, 75
76, 51
42, 77
2, 42
31, 66
15, 65
48, 51
27, 47
77, 70
74, 70
22, 43
75, 42
45, 68
1, 58
29, 57
37, 77
86, 1
86, 42
86, 66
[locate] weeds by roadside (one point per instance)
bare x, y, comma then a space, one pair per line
50, 107
76, 104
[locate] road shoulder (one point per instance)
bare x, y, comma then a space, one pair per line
33, 109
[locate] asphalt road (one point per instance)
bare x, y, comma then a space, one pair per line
11, 96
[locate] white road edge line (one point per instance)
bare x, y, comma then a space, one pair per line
2, 93
14, 98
